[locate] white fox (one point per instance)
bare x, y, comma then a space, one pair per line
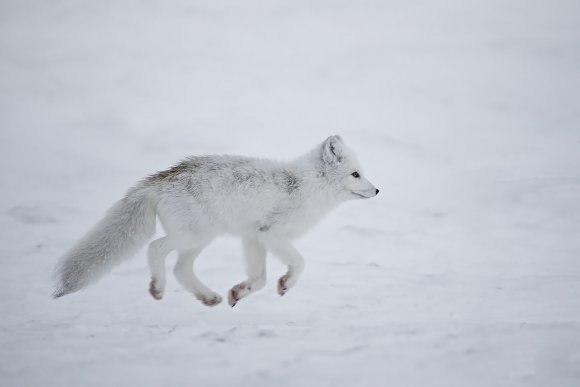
267, 203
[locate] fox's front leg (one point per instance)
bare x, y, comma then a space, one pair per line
284, 249
255, 256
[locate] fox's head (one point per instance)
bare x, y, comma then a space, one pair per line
343, 168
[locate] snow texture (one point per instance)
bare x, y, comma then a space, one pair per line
464, 271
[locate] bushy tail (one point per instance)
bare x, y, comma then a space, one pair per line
126, 227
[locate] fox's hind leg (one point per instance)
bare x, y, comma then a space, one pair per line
158, 250
255, 255
184, 273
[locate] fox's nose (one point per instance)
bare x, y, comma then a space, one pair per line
376, 193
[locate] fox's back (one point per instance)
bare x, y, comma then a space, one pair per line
226, 193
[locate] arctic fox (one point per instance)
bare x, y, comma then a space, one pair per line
267, 203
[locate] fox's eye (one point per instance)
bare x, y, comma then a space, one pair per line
355, 175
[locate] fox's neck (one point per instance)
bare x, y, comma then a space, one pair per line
316, 184
310, 165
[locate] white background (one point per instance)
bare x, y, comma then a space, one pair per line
464, 271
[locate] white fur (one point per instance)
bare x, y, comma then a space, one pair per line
267, 203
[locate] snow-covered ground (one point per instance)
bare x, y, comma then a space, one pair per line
464, 271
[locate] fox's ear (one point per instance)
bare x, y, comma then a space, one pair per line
332, 149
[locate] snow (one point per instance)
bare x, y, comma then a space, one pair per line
464, 271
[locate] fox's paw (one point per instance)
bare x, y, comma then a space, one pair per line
283, 284
211, 299
238, 292
155, 290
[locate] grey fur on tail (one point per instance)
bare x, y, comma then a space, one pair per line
126, 227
